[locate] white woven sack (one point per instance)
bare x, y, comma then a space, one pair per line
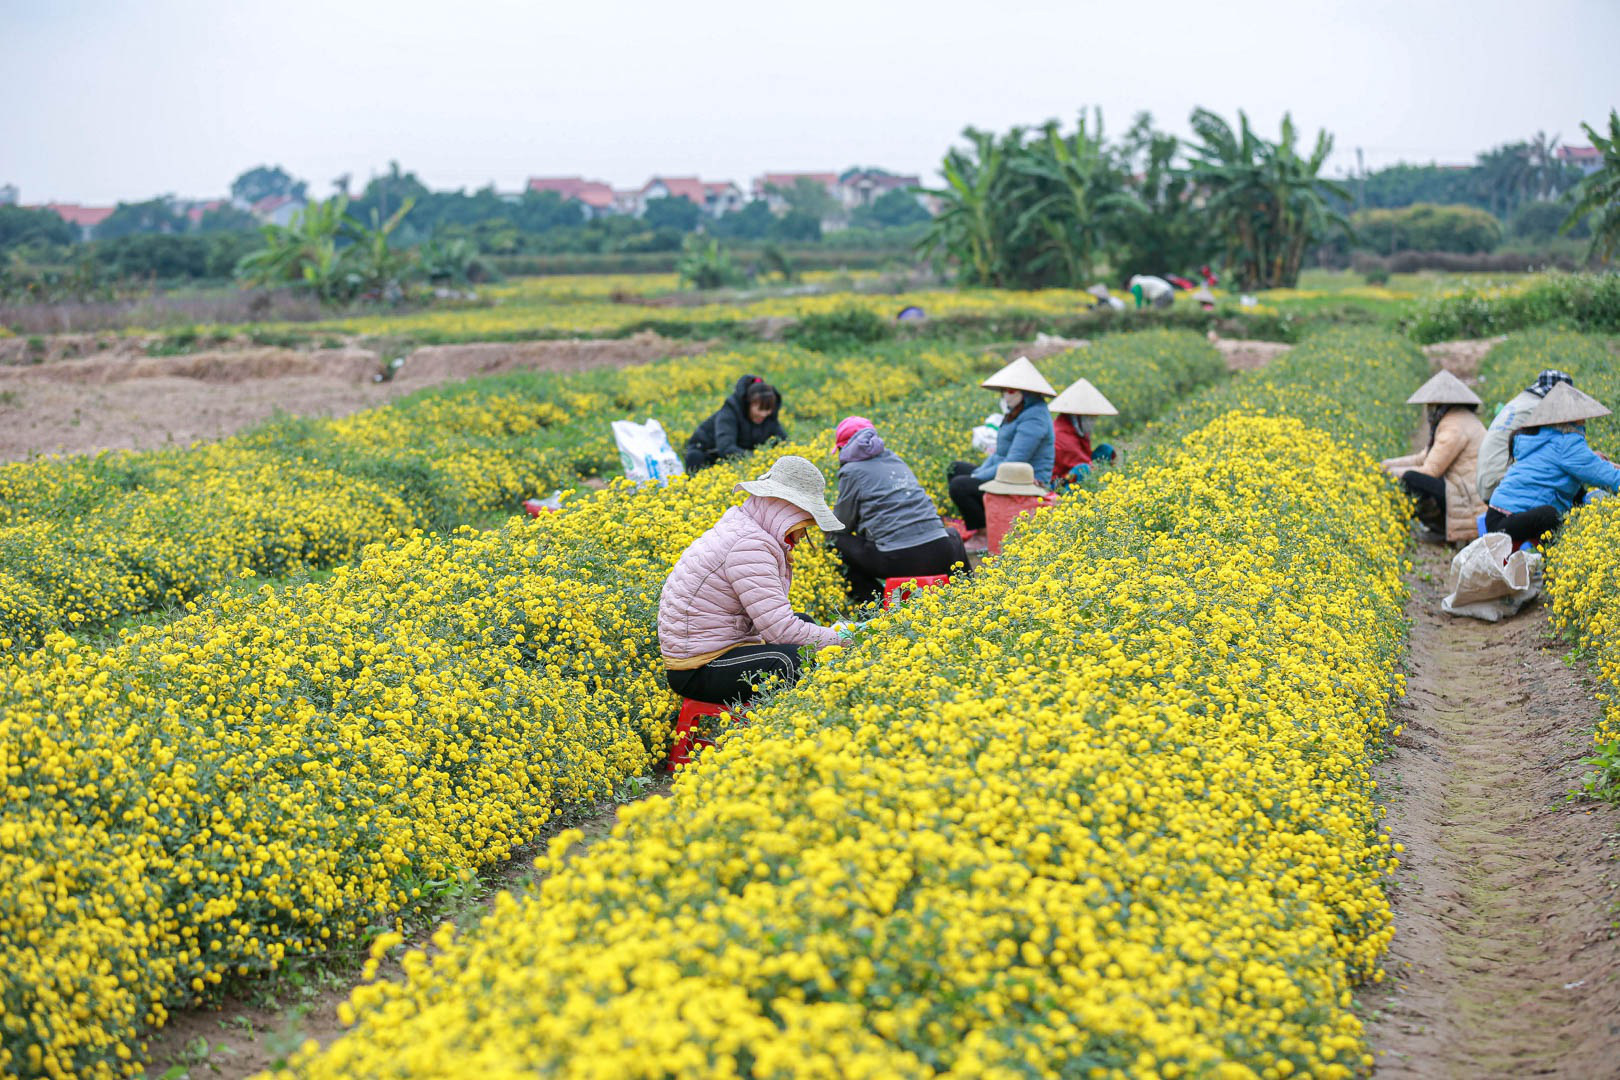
1490, 581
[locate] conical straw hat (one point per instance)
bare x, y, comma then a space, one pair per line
1099, 290
1566, 405
1082, 399
1019, 375
1444, 389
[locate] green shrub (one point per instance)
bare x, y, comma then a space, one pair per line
845, 328
1576, 301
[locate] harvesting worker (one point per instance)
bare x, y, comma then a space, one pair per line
724, 622
1441, 475
748, 418
1073, 413
891, 528
1551, 464
1025, 435
1493, 452
1152, 290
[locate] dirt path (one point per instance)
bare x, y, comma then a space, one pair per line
1506, 960
258, 1026
122, 401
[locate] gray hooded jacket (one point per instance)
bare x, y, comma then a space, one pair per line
879, 497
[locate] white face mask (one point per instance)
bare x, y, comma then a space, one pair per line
1010, 399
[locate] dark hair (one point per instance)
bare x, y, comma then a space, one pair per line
762, 391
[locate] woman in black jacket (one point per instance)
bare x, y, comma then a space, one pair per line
749, 418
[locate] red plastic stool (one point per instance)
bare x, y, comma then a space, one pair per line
680, 750
1000, 511
901, 588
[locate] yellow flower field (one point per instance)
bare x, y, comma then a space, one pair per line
1105, 809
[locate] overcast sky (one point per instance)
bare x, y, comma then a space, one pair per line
108, 101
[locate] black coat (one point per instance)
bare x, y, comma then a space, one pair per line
729, 432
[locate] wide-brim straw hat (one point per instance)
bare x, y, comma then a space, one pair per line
1203, 295
1566, 405
1019, 375
1013, 478
1080, 398
796, 480
1444, 389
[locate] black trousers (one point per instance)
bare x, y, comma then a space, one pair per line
866, 567
1430, 492
965, 493
731, 679
697, 459
1526, 525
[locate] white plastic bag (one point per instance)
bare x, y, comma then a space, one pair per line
984, 436
645, 453
1490, 581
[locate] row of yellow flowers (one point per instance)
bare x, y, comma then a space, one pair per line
1105, 809
87, 541
279, 771
1583, 562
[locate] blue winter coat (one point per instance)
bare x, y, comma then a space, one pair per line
1026, 437
1549, 468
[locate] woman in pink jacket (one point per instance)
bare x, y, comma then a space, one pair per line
724, 621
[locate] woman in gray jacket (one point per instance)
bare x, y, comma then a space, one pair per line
891, 528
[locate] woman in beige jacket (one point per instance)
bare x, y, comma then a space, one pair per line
1441, 477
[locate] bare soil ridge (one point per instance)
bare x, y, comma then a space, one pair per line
125, 401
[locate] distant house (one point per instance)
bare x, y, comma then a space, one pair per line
863, 188
276, 209
722, 197
1588, 159
84, 218
9, 195
766, 187
195, 212
597, 197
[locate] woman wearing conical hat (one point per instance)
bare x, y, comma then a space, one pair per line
1025, 435
1073, 413
1551, 464
1441, 476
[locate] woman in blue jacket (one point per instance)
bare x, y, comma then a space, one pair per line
1551, 464
1025, 435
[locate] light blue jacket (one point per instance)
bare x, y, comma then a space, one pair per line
1549, 468
1026, 437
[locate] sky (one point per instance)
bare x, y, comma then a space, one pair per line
102, 101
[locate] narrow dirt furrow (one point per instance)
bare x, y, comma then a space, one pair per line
1506, 958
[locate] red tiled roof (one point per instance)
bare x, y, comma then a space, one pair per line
718, 187
689, 188
271, 203
83, 216
593, 193
197, 211
1579, 153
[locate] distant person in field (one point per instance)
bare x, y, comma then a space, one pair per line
724, 622
1152, 290
1441, 476
1025, 435
749, 418
891, 528
1073, 413
1493, 453
1552, 463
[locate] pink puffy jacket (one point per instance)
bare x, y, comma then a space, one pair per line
730, 586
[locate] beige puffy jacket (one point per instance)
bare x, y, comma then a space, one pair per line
1453, 456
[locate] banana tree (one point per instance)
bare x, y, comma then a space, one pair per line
969, 229
1599, 193
1075, 196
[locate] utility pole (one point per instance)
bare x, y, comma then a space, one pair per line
1361, 171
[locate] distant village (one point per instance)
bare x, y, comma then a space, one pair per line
850, 190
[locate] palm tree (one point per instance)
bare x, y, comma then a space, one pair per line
1266, 199
1599, 193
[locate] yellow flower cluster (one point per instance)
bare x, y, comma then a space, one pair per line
1583, 562
1104, 809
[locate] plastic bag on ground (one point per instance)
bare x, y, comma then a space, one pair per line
645, 453
1491, 581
